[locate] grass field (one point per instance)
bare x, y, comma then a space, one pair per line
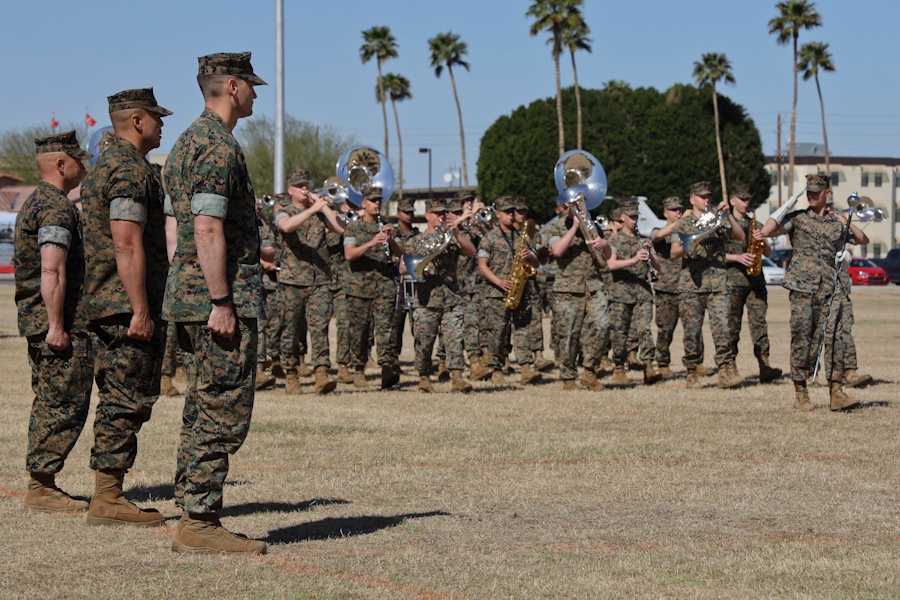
503, 493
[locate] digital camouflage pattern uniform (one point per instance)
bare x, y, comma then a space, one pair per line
499, 248
269, 325
665, 291
748, 291
400, 315
703, 289
206, 174
371, 291
123, 186
304, 285
815, 240
580, 310
469, 289
61, 379
630, 301
340, 268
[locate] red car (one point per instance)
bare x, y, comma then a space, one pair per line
864, 272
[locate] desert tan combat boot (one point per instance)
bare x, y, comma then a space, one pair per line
801, 396
167, 388
458, 383
109, 506
589, 380
425, 384
692, 381
729, 378
44, 496
606, 366
204, 534
343, 375
651, 375
497, 377
665, 372
443, 374
619, 377
703, 371
634, 363
541, 363
840, 400
264, 380
477, 371
291, 383
359, 378
570, 385
324, 383
303, 369
529, 375
853, 379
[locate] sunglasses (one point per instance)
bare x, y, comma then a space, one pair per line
509, 211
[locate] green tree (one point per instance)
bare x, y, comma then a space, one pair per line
711, 68
574, 39
378, 43
17, 148
815, 57
447, 50
793, 15
397, 89
306, 146
556, 16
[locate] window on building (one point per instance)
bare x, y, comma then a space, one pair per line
835, 179
864, 179
877, 251
774, 175
863, 251
879, 177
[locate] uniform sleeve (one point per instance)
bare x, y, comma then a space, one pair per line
350, 234
55, 227
213, 185
484, 248
127, 191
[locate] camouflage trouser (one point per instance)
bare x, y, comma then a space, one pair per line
554, 341
757, 303
62, 382
692, 307
849, 342
807, 319
127, 372
536, 327
217, 408
666, 320
627, 322
580, 321
398, 325
274, 326
501, 322
472, 319
342, 325
170, 354
305, 308
368, 317
428, 321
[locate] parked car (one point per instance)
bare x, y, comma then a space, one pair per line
772, 272
864, 272
782, 256
891, 264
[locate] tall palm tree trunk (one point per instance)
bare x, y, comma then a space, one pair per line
824, 132
462, 135
793, 126
577, 100
387, 152
559, 114
400, 148
719, 145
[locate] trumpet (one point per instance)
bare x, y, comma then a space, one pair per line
482, 221
335, 189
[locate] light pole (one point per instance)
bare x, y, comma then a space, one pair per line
428, 151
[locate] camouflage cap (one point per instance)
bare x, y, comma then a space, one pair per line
373, 194
504, 203
673, 203
816, 182
521, 203
299, 177
455, 204
742, 191
615, 214
435, 205
701, 188
139, 98
466, 195
630, 208
229, 63
61, 142
406, 205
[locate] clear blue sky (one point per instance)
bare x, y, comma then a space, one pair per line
64, 56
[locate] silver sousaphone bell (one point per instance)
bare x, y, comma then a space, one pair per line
581, 182
363, 167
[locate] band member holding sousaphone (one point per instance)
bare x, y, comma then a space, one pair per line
747, 285
433, 258
702, 234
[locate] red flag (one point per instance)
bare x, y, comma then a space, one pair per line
53, 123
89, 120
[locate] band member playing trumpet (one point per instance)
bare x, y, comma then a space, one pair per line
703, 287
746, 289
371, 289
438, 301
496, 257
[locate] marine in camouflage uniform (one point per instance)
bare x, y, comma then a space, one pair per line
48, 257
371, 290
124, 285
704, 289
532, 290
817, 237
580, 310
470, 282
305, 280
665, 289
402, 233
630, 296
439, 306
214, 294
747, 290
267, 258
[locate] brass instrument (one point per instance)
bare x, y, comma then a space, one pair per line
521, 269
362, 168
335, 189
754, 247
419, 265
581, 182
708, 223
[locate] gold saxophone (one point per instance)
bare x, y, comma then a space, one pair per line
521, 270
754, 247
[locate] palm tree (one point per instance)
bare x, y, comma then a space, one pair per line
713, 67
447, 51
556, 16
381, 45
575, 38
814, 56
397, 89
793, 15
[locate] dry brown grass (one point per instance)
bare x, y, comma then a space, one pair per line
639, 492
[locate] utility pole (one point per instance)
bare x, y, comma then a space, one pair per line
778, 159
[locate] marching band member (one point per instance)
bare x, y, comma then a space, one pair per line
665, 290
536, 328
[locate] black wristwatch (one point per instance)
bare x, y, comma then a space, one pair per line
221, 301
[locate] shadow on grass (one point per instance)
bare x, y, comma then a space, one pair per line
341, 527
251, 508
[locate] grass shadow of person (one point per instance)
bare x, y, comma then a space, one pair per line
249, 508
333, 527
